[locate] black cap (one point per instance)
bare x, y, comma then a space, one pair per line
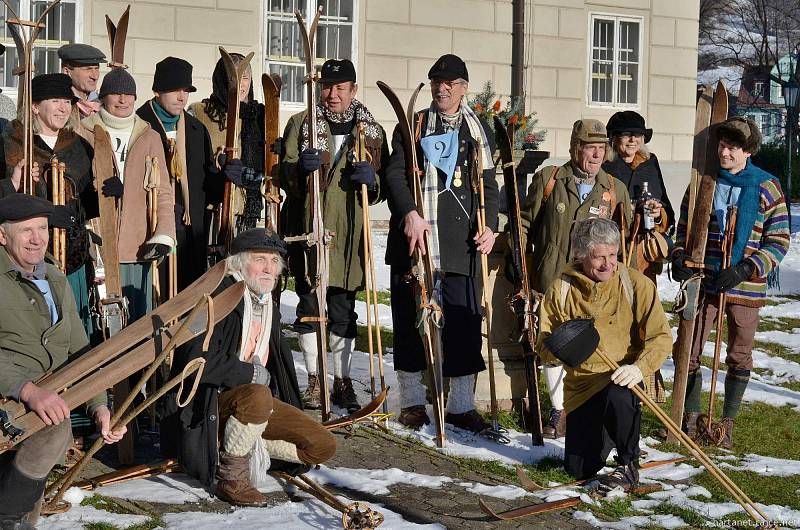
449, 67
573, 342
258, 239
52, 86
19, 206
628, 121
81, 54
334, 71
172, 74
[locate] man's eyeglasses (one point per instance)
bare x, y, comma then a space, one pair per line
447, 84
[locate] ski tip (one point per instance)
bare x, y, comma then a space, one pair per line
485, 509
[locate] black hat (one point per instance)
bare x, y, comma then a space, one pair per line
573, 342
258, 239
449, 67
118, 81
628, 121
19, 206
334, 71
2, 49
171, 74
81, 54
52, 86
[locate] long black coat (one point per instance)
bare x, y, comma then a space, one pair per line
456, 247
205, 187
648, 171
190, 434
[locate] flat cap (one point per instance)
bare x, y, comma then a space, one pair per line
334, 71
80, 54
257, 239
19, 206
449, 67
589, 131
573, 342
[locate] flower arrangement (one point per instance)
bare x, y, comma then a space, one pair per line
487, 105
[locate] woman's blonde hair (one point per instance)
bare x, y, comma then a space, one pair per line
616, 142
71, 125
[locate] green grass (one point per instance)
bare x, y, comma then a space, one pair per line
109, 505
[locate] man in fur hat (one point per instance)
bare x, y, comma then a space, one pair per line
339, 115
761, 240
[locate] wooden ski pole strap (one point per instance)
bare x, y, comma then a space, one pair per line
197, 365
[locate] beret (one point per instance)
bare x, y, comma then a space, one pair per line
258, 239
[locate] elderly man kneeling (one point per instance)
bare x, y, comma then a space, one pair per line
598, 304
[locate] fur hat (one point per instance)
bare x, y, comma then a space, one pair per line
741, 131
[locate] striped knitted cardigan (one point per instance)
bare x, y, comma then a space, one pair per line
768, 244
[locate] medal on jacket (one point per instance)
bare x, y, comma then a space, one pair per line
457, 178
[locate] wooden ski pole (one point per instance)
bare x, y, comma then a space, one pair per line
624, 246
376, 317
727, 245
637, 221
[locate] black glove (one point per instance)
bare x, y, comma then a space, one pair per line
277, 146
233, 171
179, 217
155, 251
62, 217
732, 276
251, 178
363, 173
680, 272
310, 160
112, 187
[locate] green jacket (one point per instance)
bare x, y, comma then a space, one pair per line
549, 225
29, 345
341, 213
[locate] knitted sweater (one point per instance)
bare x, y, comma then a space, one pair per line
767, 245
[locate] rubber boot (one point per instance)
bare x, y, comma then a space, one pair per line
233, 481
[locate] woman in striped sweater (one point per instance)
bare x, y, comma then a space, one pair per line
761, 240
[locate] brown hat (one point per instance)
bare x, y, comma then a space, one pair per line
742, 131
589, 131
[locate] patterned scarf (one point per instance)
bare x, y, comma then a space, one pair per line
356, 109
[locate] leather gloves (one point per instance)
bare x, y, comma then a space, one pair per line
733, 276
277, 146
155, 251
233, 171
112, 187
62, 217
680, 272
627, 375
310, 160
363, 173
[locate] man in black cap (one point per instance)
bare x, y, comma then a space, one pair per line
41, 330
196, 180
81, 63
597, 303
451, 210
339, 117
248, 392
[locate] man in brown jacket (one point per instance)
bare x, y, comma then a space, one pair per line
600, 305
146, 231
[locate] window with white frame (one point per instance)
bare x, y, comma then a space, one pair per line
615, 74
62, 25
335, 39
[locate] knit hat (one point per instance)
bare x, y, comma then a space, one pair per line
52, 86
258, 239
628, 121
118, 81
574, 341
741, 131
172, 74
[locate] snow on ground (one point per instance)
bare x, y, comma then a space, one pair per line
78, 516
766, 465
173, 488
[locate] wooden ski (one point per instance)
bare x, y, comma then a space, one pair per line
129, 473
525, 302
365, 411
117, 35
705, 164
319, 237
429, 307
271, 86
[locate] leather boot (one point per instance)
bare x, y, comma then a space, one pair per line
557, 425
312, 399
690, 424
414, 417
233, 481
624, 476
15, 522
727, 438
343, 394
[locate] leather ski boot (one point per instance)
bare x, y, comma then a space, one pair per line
727, 437
690, 424
312, 399
557, 425
233, 481
414, 417
623, 476
343, 394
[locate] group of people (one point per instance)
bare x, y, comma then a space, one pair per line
600, 227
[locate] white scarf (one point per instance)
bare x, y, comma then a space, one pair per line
262, 342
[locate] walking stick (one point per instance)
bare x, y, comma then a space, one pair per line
741, 497
58, 196
152, 181
715, 432
624, 246
637, 221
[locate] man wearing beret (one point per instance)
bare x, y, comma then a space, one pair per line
248, 392
626, 321
761, 240
39, 331
557, 197
339, 115
196, 181
81, 63
137, 156
451, 211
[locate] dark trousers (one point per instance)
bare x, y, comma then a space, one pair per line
341, 305
610, 418
461, 333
